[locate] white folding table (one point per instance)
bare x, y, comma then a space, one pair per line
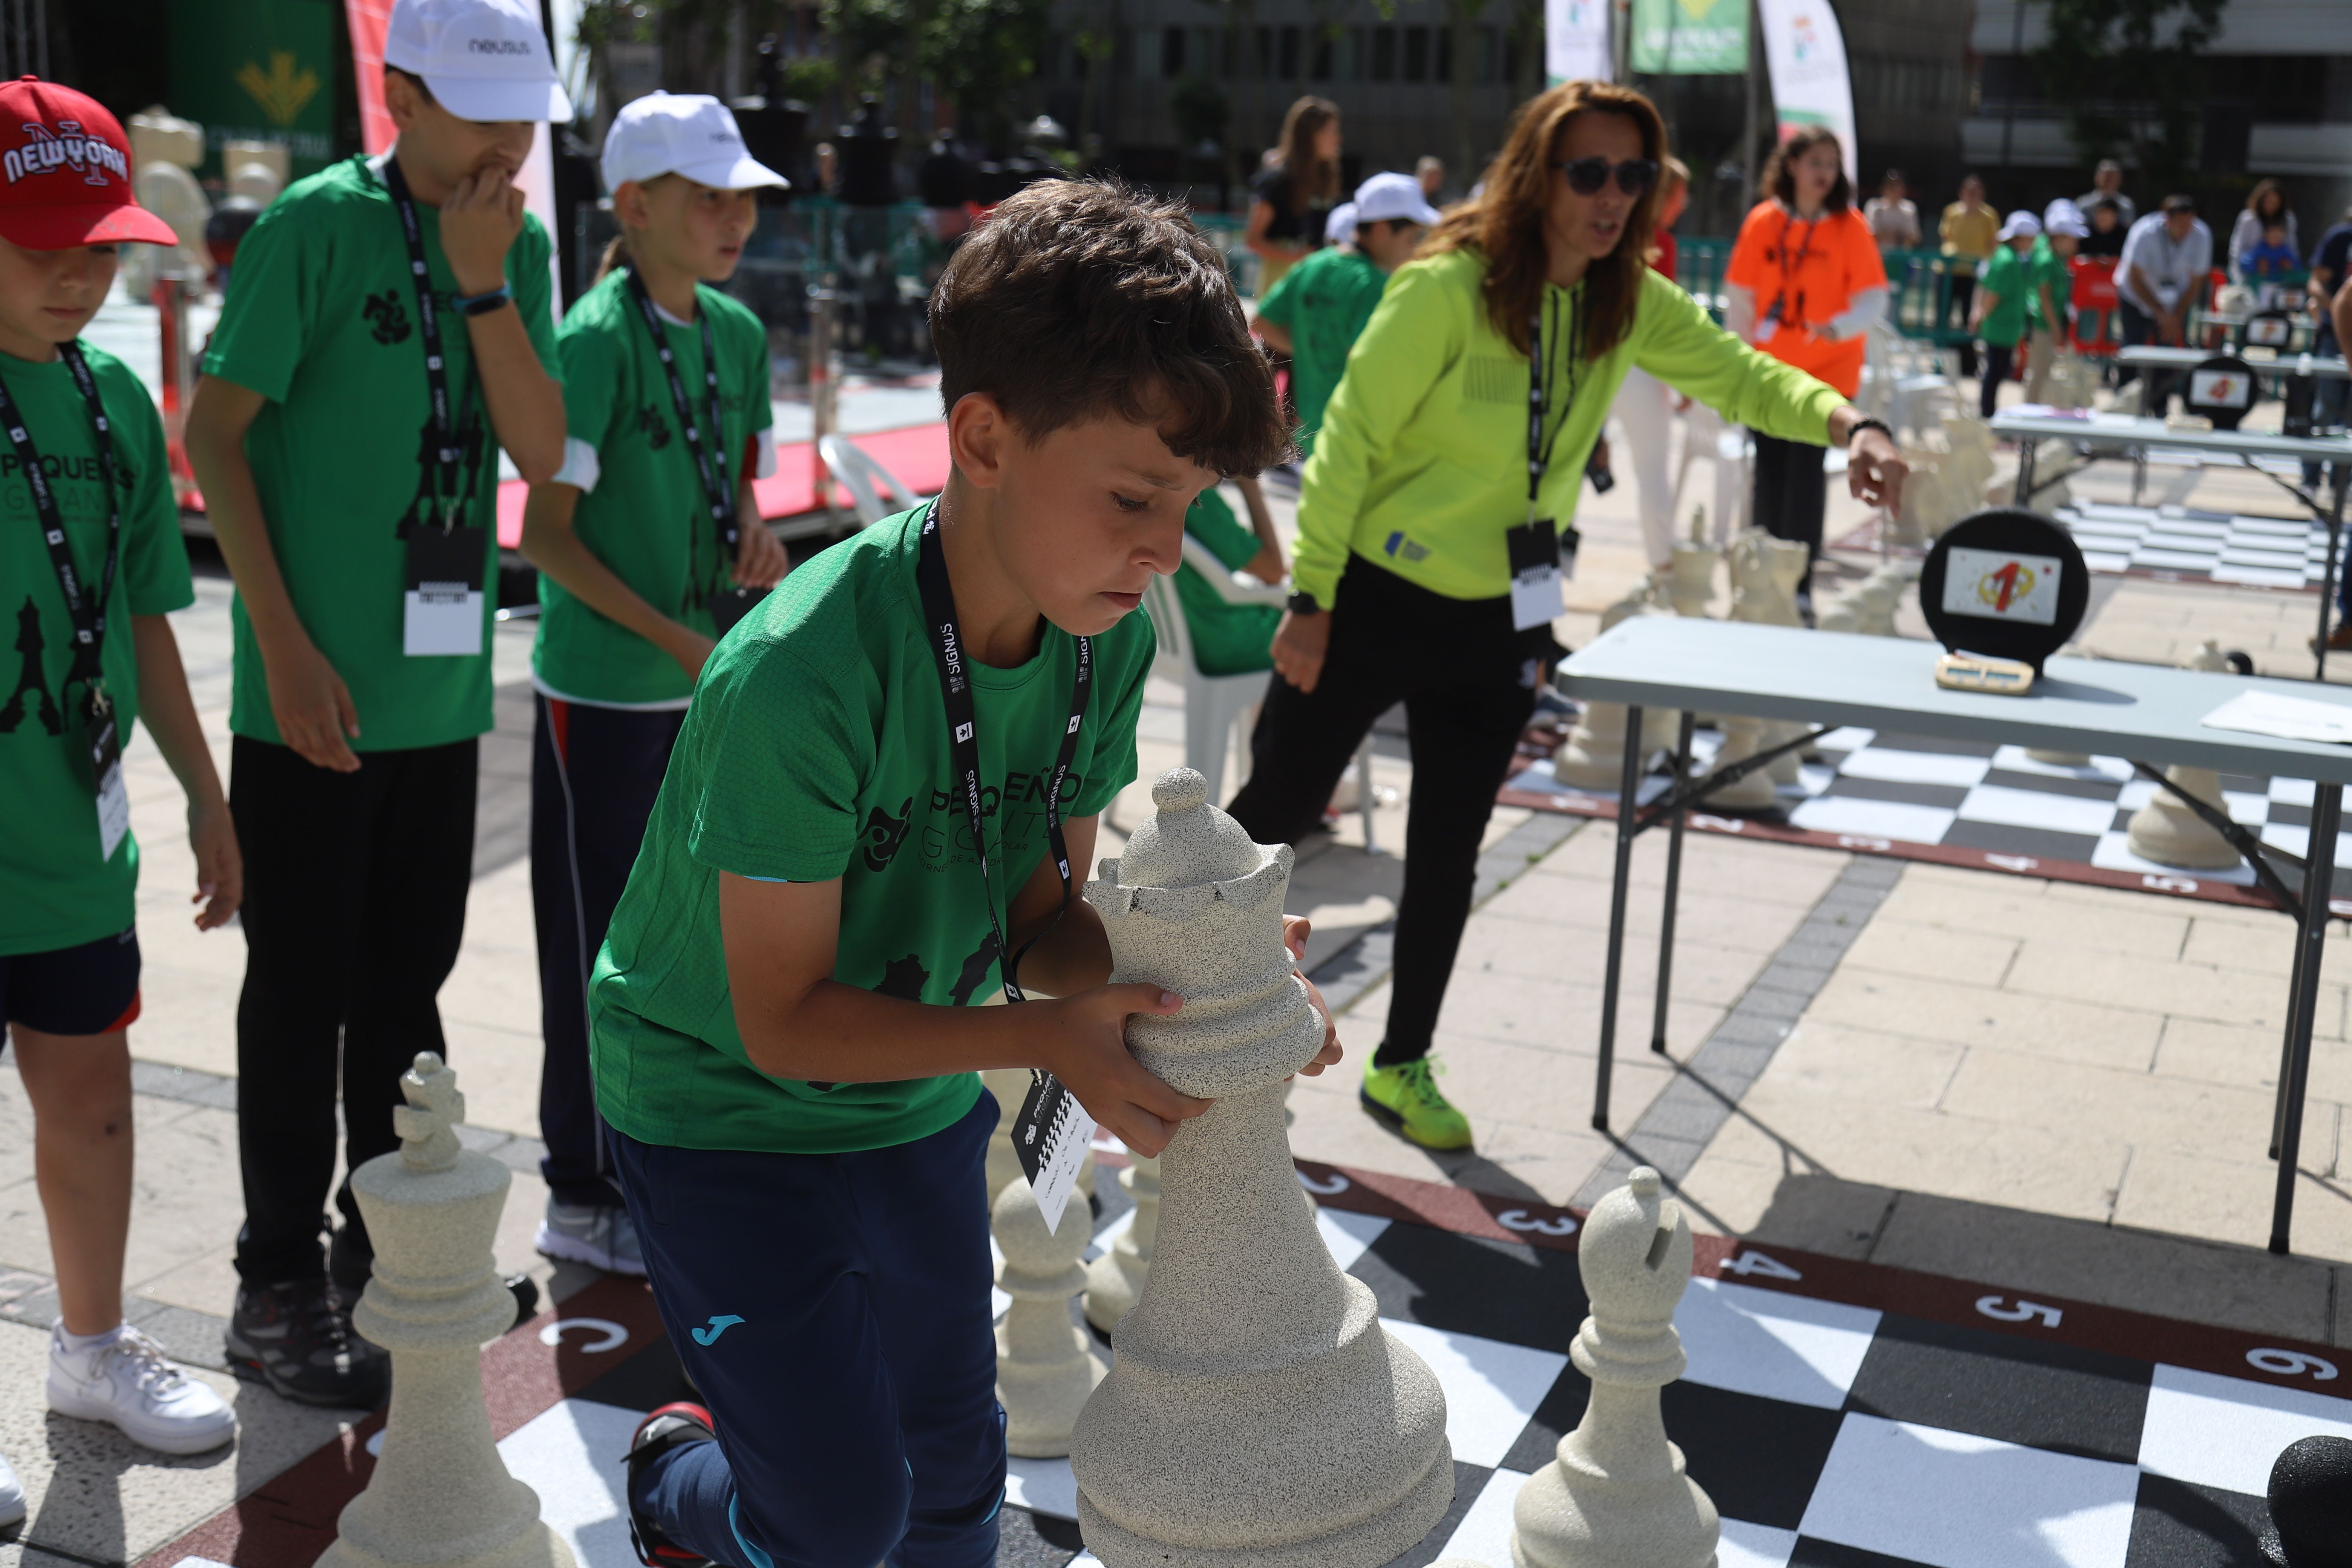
2148, 713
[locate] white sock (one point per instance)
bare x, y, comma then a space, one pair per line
82, 1344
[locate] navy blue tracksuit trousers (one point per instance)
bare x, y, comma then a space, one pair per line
834, 1310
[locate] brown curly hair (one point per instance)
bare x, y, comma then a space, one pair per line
1505, 223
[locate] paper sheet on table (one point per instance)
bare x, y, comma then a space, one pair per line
2287, 718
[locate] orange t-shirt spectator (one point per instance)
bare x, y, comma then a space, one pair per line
1804, 275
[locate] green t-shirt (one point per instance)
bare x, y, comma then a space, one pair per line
2003, 276
648, 518
54, 890
2052, 280
1325, 301
320, 320
1227, 639
817, 748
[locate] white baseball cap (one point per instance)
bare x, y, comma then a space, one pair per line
2062, 217
1385, 196
2020, 226
687, 133
1340, 228
483, 59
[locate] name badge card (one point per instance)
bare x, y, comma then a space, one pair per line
105, 739
442, 610
1536, 560
1051, 1135
1995, 585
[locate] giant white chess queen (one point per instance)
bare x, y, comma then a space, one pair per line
1257, 1412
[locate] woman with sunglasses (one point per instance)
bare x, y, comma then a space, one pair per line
1442, 485
1803, 284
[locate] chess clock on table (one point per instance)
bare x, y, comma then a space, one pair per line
2003, 591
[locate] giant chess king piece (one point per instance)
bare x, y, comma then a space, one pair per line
1615, 1495
1256, 1415
440, 1497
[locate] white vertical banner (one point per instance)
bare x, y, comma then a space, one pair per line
1806, 52
1576, 40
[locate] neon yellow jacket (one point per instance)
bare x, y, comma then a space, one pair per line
1421, 464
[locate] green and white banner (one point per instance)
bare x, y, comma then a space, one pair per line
1806, 52
1690, 38
1576, 40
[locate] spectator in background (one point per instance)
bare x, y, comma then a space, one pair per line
1998, 315
1893, 220
2107, 186
944, 181
2327, 265
2050, 273
2269, 264
2265, 208
1431, 172
828, 168
1970, 230
2166, 256
1293, 195
2105, 239
869, 184
1645, 406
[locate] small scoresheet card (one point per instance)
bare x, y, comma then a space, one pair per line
1996, 584
2221, 388
1051, 1135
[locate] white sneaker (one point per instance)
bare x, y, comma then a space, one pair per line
604, 1238
12, 1495
127, 1383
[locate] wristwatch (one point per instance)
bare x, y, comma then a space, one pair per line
483, 303
1858, 425
1302, 605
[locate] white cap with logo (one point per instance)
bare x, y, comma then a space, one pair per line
1385, 196
2022, 224
483, 59
691, 134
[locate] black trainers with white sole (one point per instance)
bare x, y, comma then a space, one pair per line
297, 1338
673, 1425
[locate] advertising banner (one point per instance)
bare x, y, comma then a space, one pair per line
257, 71
1806, 53
1690, 38
368, 20
1576, 40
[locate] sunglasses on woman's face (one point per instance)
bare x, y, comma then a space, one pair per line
1587, 175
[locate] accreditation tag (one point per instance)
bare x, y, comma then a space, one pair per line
1536, 596
105, 739
442, 610
731, 604
1051, 1135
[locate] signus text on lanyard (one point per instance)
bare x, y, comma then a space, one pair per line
1052, 1130
448, 559
1541, 553
100, 738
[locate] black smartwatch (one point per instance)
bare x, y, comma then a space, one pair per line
1858, 425
1302, 605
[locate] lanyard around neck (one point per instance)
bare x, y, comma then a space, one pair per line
717, 486
449, 456
963, 739
87, 611
1539, 380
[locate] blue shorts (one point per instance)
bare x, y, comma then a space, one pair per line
91, 989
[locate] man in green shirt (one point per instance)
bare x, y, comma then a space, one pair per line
387, 331
1318, 308
890, 777
1998, 314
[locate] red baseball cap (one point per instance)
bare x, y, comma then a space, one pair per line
65, 171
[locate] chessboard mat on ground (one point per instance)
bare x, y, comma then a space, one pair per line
1841, 1415
2178, 543
1974, 803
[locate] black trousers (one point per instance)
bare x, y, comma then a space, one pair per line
354, 904
594, 773
1468, 682
1791, 495
2000, 360
1964, 294
2139, 327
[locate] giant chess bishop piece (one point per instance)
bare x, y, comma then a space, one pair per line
1115, 1280
1615, 1495
1046, 1364
440, 1497
1256, 1415
2166, 830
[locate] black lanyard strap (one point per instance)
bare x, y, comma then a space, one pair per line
447, 480
963, 741
1539, 381
717, 480
87, 612
1790, 269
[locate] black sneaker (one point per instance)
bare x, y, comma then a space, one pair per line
297, 1338
673, 1425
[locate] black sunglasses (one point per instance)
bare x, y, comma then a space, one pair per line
1587, 175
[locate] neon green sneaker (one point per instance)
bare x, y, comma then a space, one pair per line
1406, 1097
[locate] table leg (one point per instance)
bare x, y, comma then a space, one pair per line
1673, 886
1629, 787
2327, 816
2327, 576
2022, 494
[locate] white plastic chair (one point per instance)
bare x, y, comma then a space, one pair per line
1214, 704
866, 480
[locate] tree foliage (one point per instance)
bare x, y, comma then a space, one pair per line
2130, 76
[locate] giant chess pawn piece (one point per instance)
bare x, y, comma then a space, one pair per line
2311, 1505
1257, 1412
1115, 1280
1593, 755
2166, 830
440, 1497
1046, 1364
1691, 581
1615, 1495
